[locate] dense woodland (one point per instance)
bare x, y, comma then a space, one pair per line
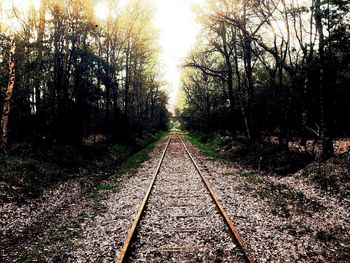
271, 67
67, 76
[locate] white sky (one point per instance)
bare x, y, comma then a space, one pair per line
178, 31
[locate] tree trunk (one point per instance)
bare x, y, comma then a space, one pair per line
108, 91
7, 99
283, 133
247, 50
127, 84
239, 86
229, 79
39, 60
308, 58
325, 135
304, 111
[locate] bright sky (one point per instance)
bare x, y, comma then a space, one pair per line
22, 6
178, 30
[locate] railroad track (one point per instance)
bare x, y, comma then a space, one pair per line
180, 218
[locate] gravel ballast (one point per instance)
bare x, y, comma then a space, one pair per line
181, 222
282, 219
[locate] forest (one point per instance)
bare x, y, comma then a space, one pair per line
76, 77
80, 91
270, 68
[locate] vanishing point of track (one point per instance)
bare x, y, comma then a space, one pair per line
228, 237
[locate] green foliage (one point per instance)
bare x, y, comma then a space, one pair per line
27, 175
208, 144
63, 235
34, 255
135, 160
332, 176
121, 149
246, 174
100, 189
150, 138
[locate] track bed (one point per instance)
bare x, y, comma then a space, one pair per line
181, 222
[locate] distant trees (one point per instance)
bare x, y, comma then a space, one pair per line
205, 99
276, 60
78, 77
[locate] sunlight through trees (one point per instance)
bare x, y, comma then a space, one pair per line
82, 70
277, 67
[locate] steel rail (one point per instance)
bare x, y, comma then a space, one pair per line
124, 253
227, 220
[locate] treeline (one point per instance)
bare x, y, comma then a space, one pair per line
273, 67
77, 76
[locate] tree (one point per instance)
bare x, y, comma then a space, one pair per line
8, 96
72, 71
280, 61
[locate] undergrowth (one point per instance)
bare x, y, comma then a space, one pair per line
286, 200
147, 144
25, 174
208, 144
130, 164
332, 176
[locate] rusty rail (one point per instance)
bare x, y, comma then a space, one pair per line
227, 220
124, 253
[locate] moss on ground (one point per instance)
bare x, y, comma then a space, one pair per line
332, 176
100, 189
208, 144
286, 201
146, 144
